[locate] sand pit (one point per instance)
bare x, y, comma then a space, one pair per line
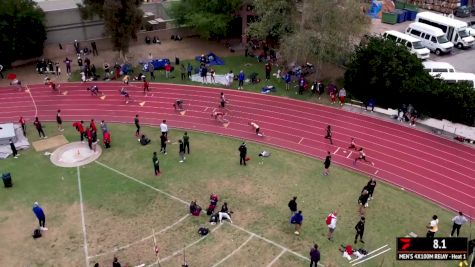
74, 154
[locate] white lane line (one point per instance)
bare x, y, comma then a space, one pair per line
141, 240
376, 172
143, 183
349, 154
188, 246
32, 99
365, 259
205, 109
234, 251
336, 151
277, 258
371, 252
83, 221
301, 140
273, 243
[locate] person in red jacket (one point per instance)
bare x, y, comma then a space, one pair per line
89, 137
168, 69
92, 125
145, 87
80, 128
107, 139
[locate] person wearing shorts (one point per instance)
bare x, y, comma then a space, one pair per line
223, 100
256, 128
332, 225
352, 144
59, 121
329, 134
125, 94
137, 125
362, 157
327, 163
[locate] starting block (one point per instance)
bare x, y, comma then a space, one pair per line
65, 93
226, 124
183, 112
102, 97
142, 103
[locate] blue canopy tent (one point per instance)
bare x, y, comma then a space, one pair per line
210, 59
158, 64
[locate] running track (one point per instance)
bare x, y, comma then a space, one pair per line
435, 168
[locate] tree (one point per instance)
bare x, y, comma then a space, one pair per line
274, 19
122, 19
211, 19
390, 74
318, 31
22, 30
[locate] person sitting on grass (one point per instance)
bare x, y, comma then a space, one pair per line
348, 251
195, 209
144, 140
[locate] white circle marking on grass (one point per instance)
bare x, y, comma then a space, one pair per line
74, 154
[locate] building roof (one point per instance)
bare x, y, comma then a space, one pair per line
52, 5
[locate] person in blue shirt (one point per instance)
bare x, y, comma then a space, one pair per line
287, 80
40, 215
297, 220
241, 78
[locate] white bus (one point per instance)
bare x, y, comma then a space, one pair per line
456, 77
411, 43
455, 30
435, 68
431, 37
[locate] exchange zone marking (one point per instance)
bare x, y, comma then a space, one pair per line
186, 203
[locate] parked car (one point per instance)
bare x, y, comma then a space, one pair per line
462, 12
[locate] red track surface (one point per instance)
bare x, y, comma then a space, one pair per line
435, 168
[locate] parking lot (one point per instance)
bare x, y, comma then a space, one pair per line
462, 60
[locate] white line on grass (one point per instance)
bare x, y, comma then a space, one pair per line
186, 203
86, 253
371, 252
277, 258
141, 240
234, 251
273, 243
188, 246
140, 182
375, 255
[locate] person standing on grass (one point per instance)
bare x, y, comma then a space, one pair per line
89, 137
242, 154
287, 80
39, 128
363, 201
168, 69
183, 72
59, 121
297, 220
156, 166
92, 125
23, 125
186, 142
40, 215
458, 221
107, 139
331, 223
164, 128
137, 125
14, 151
293, 206
370, 187
80, 128
116, 263
329, 134
163, 144
342, 95
327, 163
268, 69
104, 127
359, 227
189, 69
181, 151
432, 227
314, 256
241, 78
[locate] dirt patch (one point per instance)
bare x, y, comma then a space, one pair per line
50, 143
74, 154
61, 245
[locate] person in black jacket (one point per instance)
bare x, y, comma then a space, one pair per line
293, 206
363, 201
156, 165
181, 151
370, 187
359, 227
242, 154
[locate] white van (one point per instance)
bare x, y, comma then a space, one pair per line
435, 68
431, 37
455, 30
457, 77
413, 44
